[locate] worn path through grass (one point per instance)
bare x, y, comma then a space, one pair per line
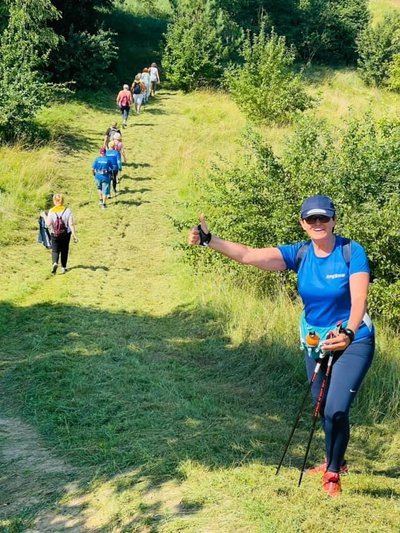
142, 410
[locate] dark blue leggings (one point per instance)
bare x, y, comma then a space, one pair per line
348, 371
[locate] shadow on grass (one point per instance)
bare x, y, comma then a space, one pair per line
89, 267
133, 191
136, 203
74, 141
126, 398
114, 392
386, 493
156, 111
139, 37
137, 165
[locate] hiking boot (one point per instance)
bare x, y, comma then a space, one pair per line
54, 268
331, 484
321, 469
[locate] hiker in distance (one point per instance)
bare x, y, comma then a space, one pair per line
59, 221
154, 78
332, 279
124, 102
109, 135
102, 169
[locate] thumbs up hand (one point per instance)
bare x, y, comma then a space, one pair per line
200, 234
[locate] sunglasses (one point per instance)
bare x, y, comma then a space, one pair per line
313, 219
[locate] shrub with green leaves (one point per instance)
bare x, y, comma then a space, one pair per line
265, 86
199, 42
24, 48
394, 74
257, 201
85, 59
377, 48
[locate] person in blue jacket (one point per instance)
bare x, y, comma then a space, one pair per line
102, 169
333, 280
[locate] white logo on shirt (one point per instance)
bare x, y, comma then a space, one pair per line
335, 276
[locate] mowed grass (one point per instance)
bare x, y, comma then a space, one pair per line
162, 397
168, 394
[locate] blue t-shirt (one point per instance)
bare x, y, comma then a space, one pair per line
115, 157
102, 167
323, 283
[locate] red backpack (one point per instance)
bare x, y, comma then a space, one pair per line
125, 100
59, 227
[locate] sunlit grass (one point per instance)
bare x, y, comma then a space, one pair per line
379, 8
169, 392
26, 181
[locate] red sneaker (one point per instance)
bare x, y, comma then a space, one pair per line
321, 469
331, 484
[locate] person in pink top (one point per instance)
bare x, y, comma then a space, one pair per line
124, 102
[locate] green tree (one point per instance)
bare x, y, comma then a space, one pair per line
24, 47
199, 42
377, 48
82, 15
322, 29
394, 74
265, 86
85, 59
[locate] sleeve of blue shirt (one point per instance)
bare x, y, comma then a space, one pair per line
289, 252
358, 259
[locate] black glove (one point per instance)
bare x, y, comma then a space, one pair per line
205, 238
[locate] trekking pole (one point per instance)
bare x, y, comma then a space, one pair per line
296, 422
320, 398
316, 413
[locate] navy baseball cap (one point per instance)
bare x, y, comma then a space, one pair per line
318, 205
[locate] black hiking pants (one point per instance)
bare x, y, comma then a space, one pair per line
60, 246
114, 179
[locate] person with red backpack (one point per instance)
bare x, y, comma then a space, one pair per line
59, 221
124, 102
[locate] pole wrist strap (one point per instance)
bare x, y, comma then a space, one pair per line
205, 238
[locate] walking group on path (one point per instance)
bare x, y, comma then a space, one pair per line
57, 226
143, 86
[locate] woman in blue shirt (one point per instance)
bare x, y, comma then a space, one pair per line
333, 280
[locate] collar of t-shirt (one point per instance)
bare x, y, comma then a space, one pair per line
57, 209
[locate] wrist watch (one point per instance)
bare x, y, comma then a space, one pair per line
350, 333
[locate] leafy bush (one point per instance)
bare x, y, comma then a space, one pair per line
377, 48
266, 87
24, 48
325, 30
394, 74
257, 201
329, 29
85, 59
199, 42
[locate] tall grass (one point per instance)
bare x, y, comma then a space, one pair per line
26, 181
380, 8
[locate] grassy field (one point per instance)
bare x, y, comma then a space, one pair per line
139, 396
379, 8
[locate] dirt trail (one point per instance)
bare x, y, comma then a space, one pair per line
30, 473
